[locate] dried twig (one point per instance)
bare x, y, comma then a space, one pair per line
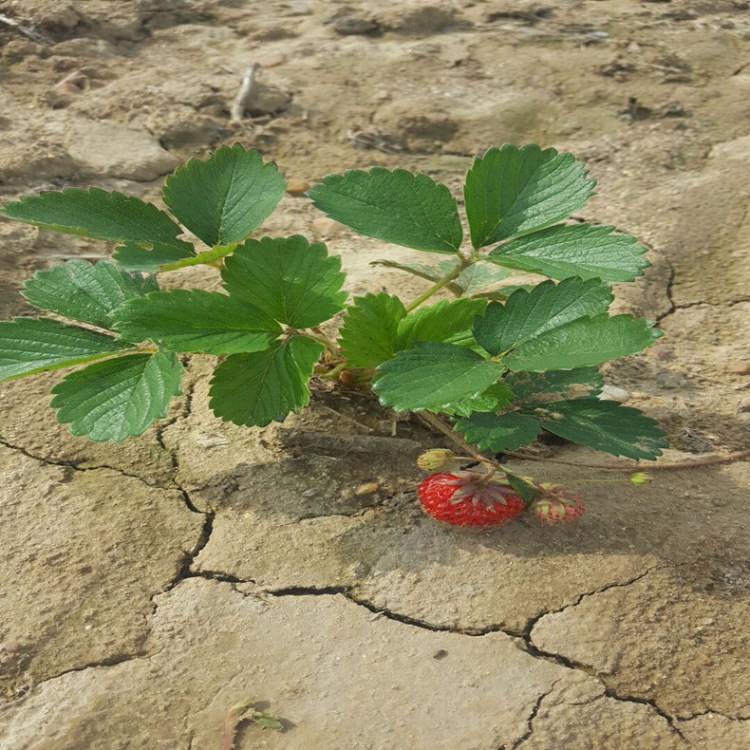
710, 461
237, 111
27, 28
345, 417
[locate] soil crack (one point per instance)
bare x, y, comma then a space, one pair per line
75, 466
610, 693
531, 624
668, 290
568, 663
530, 721
107, 661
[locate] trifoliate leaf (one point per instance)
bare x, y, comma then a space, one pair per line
561, 384
96, 213
574, 250
433, 374
31, 345
119, 397
603, 425
262, 387
369, 329
512, 190
83, 291
393, 205
288, 278
193, 320
527, 315
498, 432
223, 199
448, 320
582, 342
494, 398
132, 257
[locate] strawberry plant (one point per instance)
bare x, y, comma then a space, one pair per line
492, 367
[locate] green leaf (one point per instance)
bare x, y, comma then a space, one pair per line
586, 341
83, 291
118, 398
31, 345
96, 213
524, 488
448, 320
194, 320
393, 205
369, 329
574, 250
132, 257
223, 199
293, 281
495, 397
512, 190
502, 293
479, 276
527, 315
567, 384
433, 375
603, 425
498, 432
263, 387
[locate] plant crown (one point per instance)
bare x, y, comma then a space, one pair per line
501, 361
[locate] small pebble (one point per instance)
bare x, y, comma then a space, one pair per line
742, 369
211, 441
743, 406
270, 60
366, 489
327, 228
297, 187
612, 393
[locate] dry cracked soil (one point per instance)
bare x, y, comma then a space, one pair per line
149, 587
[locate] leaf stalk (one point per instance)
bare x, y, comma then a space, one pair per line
465, 262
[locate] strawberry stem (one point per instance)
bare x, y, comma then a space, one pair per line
432, 420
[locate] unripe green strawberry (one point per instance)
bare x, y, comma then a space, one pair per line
438, 459
462, 499
557, 504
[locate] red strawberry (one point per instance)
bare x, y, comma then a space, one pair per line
462, 499
557, 504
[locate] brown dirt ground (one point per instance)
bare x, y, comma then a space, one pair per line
147, 588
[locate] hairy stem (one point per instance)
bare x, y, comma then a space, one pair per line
434, 421
208, 258
465, 262
335, 372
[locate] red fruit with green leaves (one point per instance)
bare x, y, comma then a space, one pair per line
463, 499
557, 504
